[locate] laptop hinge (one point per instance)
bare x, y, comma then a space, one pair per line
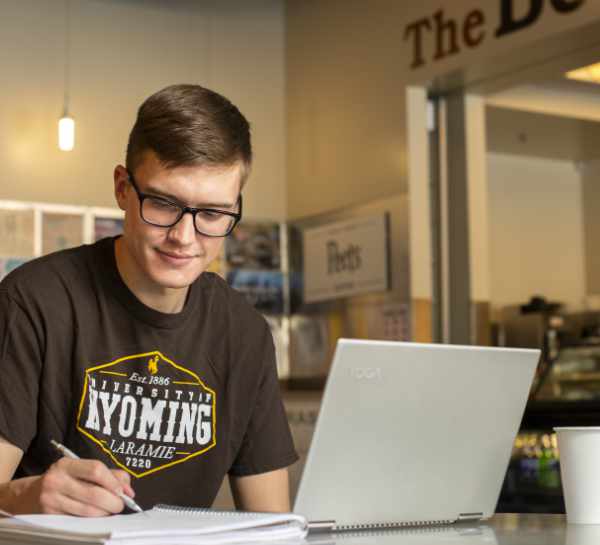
318, 526
469, 516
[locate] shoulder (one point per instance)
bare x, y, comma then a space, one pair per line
54, 265
44, 279
240, 336
233, 305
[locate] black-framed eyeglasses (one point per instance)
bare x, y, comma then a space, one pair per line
162, 212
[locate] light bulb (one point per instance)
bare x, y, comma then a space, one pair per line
66, 133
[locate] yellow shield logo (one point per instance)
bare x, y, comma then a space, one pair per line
147, 412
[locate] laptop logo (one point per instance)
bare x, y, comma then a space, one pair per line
366, 373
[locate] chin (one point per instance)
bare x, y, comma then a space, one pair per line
175, 280
167, 276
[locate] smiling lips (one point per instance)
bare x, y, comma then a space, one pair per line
174, 258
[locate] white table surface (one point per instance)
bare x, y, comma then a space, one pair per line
503, 529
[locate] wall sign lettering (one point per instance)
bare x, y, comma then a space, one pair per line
346, 258
450, 35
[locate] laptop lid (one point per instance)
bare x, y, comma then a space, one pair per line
413, 433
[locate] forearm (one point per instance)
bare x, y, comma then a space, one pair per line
85, 488
263, 492
16, 496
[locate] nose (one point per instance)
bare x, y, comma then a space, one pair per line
183, 232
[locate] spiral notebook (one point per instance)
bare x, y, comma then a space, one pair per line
161, 525
413, 434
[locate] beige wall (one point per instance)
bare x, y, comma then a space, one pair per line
547, 163
347, 69
122, 51
532, 134
536, 230
346, 112
590, 174
561, 98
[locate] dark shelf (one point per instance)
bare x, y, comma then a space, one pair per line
544, 415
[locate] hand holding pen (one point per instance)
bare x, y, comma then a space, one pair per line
84, 487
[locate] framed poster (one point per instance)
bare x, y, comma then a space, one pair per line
107, 227
32, 229
263, 289
254, 246
18, 232
60, 231
9, 264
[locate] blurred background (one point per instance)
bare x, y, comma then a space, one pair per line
424, 172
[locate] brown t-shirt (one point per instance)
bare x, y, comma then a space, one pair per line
177, 400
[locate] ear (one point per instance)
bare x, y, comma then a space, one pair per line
121, 179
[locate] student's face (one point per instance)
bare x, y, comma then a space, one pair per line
173, 257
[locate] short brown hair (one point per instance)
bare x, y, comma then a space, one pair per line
187, 125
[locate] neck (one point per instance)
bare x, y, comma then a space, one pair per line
167, 300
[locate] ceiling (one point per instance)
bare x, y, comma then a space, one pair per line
561, 97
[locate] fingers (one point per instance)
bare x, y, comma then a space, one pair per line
92, 471
82, 487
99, 499
125, 479
64, 505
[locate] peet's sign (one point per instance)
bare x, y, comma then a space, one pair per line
450, 35
346, 258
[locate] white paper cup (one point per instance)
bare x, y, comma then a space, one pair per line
579, 449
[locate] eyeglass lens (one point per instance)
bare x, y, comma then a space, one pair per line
164, 214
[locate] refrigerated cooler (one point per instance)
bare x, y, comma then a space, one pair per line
566, 393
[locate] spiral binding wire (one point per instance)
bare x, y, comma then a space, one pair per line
222, 513
200, 510
178, 510
345, 529
407, 530
426, 524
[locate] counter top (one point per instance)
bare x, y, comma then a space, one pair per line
502, 529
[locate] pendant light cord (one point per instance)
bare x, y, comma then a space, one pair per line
67, 73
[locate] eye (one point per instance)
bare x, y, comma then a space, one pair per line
208, 214
162, 204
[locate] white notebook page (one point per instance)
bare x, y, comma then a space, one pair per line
156, 522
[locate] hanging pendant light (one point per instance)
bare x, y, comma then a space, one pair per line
66, 124
66, 132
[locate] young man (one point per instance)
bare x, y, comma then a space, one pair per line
158, 375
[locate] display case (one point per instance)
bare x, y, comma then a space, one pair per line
566, 392
573, 376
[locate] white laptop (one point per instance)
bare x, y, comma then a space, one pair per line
413, 434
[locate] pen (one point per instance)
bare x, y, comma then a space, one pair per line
70, 454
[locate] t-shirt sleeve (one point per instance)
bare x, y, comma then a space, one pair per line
20, 365
267, 443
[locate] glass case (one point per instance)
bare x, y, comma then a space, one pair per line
573, 376
565, 392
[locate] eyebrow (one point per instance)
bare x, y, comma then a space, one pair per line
173, 198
